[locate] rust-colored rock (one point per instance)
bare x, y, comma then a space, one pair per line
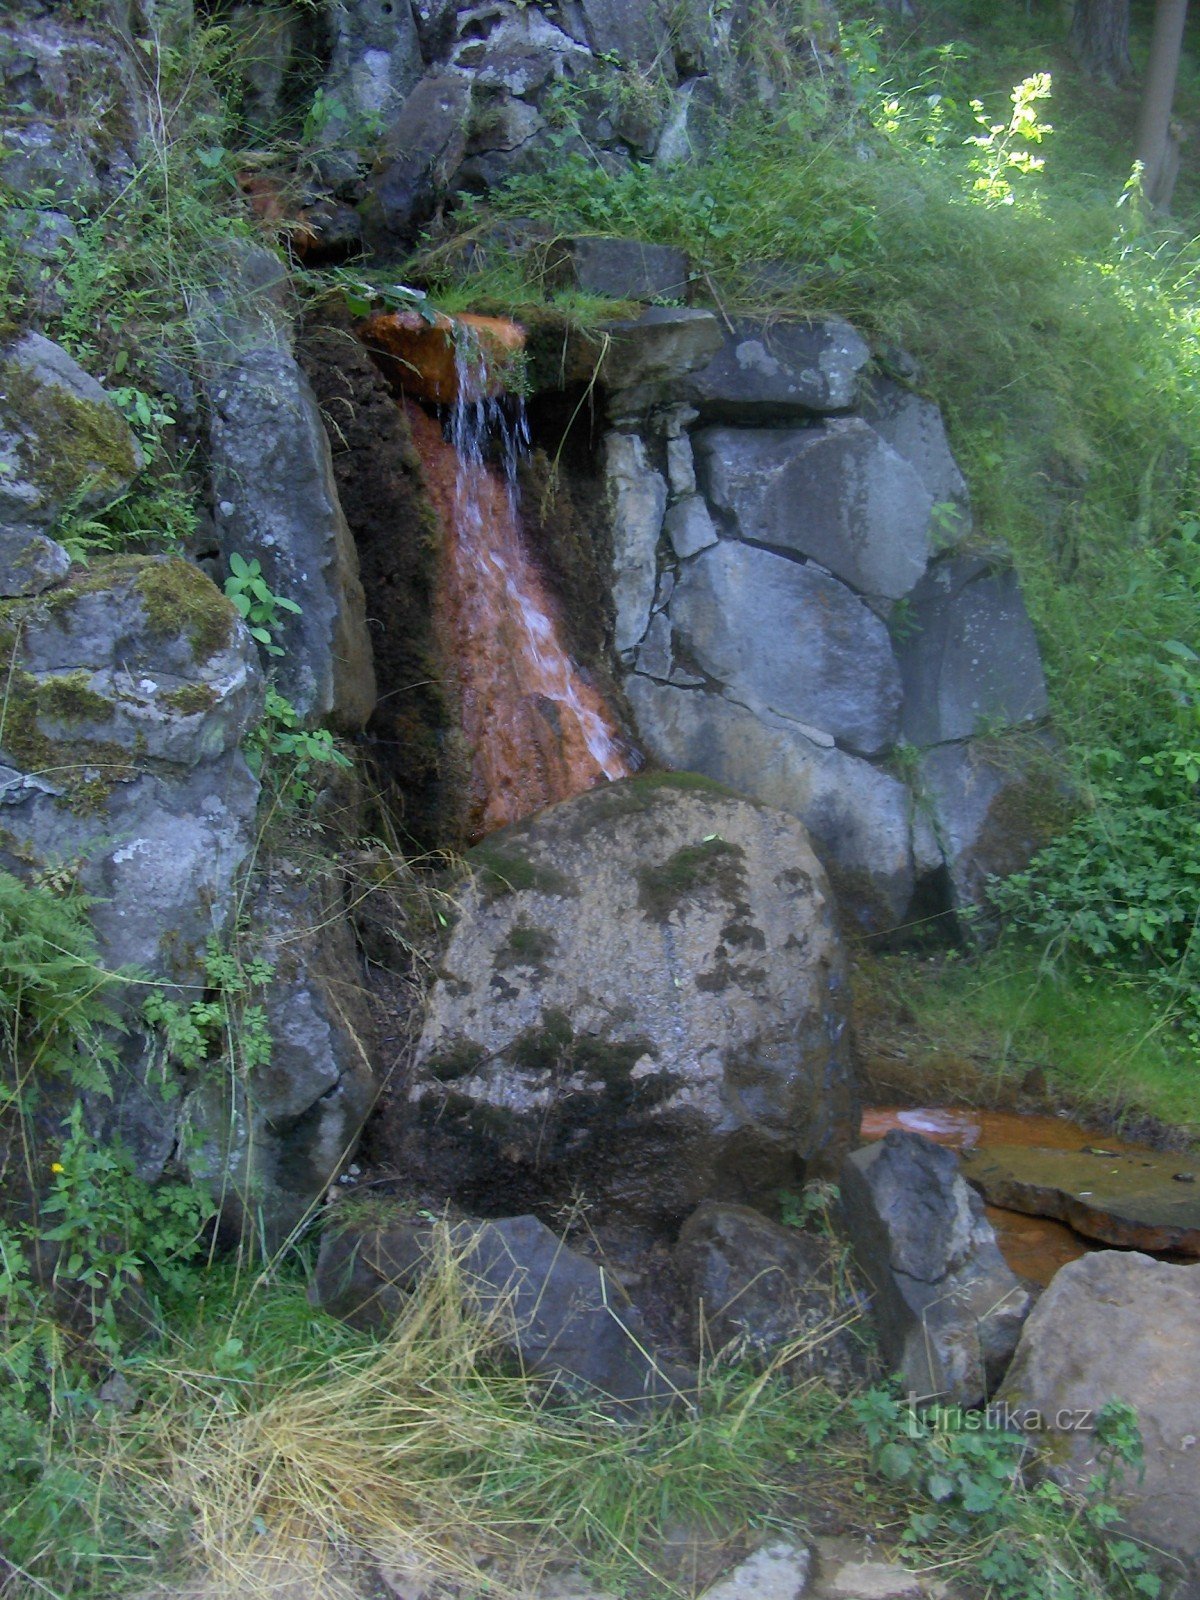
1137, 1200
421, 358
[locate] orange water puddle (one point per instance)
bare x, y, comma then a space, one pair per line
1034, 1247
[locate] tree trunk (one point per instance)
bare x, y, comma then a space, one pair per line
1157, 145
1100, 39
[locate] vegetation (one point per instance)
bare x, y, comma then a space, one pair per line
163, 1407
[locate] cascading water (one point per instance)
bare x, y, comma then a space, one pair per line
538, 731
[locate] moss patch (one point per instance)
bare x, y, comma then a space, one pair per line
191, 698
66, 444
459, 1060
554, 1047
500, 872
526, 946
711, 864
71, 698
178, 598
85, 770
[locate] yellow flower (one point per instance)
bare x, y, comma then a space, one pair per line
57, 1166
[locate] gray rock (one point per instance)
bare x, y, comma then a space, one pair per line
376, 61
424, 148
627, 269
637, 498
138, 752
62, 440
755, 1287
769, 370
858, 816
42, 163
992, 804
641, 1002
689, 526
778, 1570
968, 657
522, 51
275, 500
1117, 1325
655, 655
271, 1146
645, 360
914, 428
554, 1313
246, 308
29, 562
835, 493
788, 639
129, 768
948, 1309
681, 466
632, 30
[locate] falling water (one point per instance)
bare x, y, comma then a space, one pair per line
538, 731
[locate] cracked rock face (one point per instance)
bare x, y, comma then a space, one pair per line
642, 1001
795, 621
948, 1308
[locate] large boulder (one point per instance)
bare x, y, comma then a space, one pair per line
423, 149
948, 1309
778, 370
1119, 1326
276, 501
754, 1288
783, 637
645, 360
270, 1141
642, 1001
859, 816
835, 493
63, 443
913, 427
992, 804
552, 1312
376, 60
968, 656
128, 693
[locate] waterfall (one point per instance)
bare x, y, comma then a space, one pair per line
538, 730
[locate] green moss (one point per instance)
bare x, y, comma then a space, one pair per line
555, 1048
71, 698
67, 444
711, 864
525, 946
177, 597
191, 698
459, 1061
500, 872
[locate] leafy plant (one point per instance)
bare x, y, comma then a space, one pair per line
970, 1500
225, 1028
256, 601
1005, 147
287, 755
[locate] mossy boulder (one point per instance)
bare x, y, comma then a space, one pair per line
127, 694
642, 1002
63, 442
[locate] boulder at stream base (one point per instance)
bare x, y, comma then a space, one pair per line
642, 1003
1131, 1199
548, 1310
948, 1308
1118, 1326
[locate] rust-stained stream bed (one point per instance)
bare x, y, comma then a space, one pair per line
1123, 1194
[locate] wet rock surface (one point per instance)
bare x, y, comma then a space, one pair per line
1118, 1325
1135, 1200
642, 1001
948, 1309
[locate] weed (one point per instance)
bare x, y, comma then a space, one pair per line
256, 602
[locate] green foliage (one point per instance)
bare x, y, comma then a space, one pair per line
256, 602
286, 756
56, 1010
1004, 147
963, 1474
225, 1027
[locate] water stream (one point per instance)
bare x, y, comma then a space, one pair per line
538, 730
